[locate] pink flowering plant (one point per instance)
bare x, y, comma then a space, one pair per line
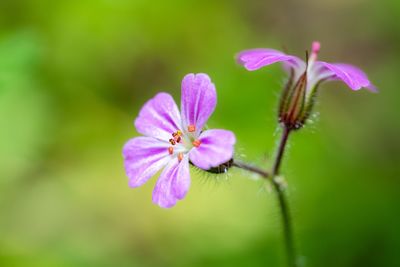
173, 140
298, 96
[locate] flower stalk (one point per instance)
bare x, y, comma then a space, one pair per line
282, 201
250, 168
280, 193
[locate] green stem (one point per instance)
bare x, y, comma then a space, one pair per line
279, 188
250, 168
283, 204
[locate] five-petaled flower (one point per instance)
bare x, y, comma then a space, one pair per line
172, 140
305, 77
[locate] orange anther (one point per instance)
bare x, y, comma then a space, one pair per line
191, 128
170, 150
196, 143
180, 156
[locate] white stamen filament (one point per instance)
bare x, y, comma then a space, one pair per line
316, 46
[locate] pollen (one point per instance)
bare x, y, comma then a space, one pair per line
191, 128
177, 133
180, 157
170, 150
172, 141
196, 143
177, 136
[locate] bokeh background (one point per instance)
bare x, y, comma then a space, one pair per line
74, 74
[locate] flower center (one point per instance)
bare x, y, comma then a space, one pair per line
182, 143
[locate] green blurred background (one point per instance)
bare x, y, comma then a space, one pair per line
74, 74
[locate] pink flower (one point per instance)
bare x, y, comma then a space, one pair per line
305, 77
172, 139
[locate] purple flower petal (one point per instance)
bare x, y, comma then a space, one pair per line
143, 158
257, 58
316, 72
351, 75
173, 183
181, 182
198, 100
216, 147
159, 117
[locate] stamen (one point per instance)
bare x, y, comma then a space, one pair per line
191, 128
315, 47
180, 156
196, 143
177, 136
172, 141
171, 150
177, 133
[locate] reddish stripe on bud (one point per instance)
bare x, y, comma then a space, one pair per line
293, 104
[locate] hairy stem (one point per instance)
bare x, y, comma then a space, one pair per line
283, 204
250, 168
279, 189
